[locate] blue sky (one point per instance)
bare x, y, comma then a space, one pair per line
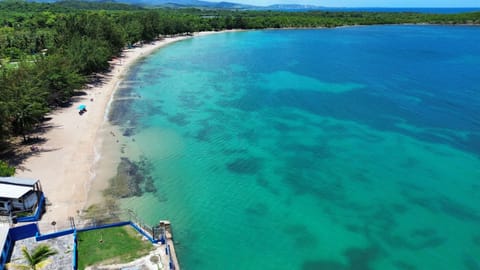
365, 3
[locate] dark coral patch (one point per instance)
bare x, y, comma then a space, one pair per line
354, 228
424, 232
249, 166
266, 185
121, 113
301, 236
361, 258
323, 265
357, 259
128, 132
476, 240
418, 239
442, 204
132, 179
179, 119
471, 262
457, 210
190, 101
331, 190
234, 151
258, 209
203, 134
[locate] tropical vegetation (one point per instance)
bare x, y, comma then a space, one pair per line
35, 260
6, 170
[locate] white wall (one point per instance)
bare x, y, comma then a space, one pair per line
26, 202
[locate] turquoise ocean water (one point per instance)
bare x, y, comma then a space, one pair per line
347, 148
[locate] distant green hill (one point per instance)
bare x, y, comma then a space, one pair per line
200, 4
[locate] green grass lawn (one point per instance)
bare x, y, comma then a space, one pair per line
112, 245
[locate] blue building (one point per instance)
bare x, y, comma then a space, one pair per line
5, 244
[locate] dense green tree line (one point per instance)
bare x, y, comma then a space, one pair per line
47, 50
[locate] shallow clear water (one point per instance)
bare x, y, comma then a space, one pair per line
347, 148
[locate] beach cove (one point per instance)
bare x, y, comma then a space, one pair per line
72, 145
331, 166
310, 148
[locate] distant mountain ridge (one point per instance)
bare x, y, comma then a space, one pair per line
217, 5
290, 7
190, 3
201, 4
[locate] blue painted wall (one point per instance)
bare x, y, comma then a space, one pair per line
15, 234
31, 230
37, 214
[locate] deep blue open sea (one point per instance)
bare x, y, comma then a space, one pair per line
347, 148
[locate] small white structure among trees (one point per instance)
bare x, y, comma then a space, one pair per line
18, 195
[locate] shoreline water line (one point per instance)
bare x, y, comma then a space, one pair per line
251, 146
110, 139
74, 146
250, 167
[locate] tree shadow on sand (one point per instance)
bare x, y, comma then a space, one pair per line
17, 150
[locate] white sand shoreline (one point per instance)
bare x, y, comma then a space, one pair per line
66, 162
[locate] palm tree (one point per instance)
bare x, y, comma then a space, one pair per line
36, 260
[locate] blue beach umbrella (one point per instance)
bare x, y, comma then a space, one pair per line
82, 107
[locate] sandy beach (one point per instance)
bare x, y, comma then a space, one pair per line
65, 161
